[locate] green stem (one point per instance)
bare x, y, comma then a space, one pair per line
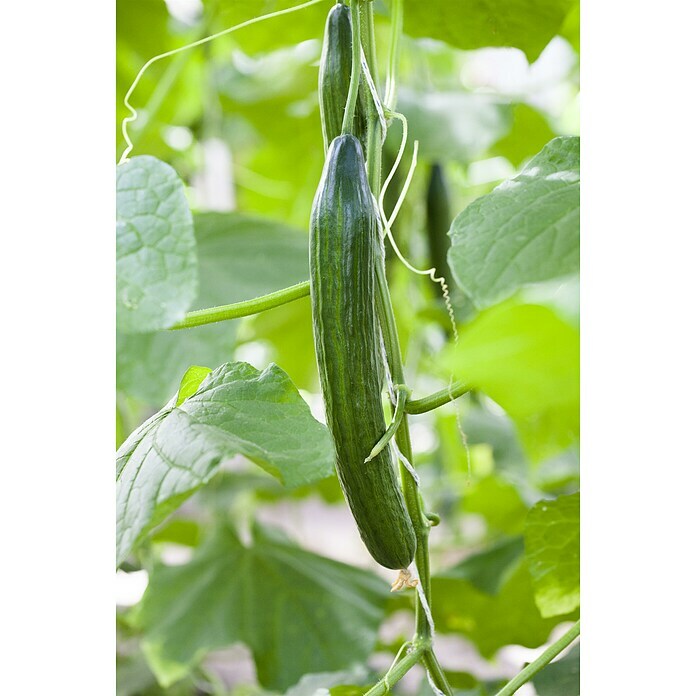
436, 673
352, 99
439, 398
367, 29
397, 671
243, 309
397, 24
373, 156
534, 667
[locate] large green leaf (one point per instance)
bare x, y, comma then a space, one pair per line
525, 24
525, 231
240, 257
156, 266
491, 621
236, 410
298, 612
456, 126
527, 360
243, 256
552, 546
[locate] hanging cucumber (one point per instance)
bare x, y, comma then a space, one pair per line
334, 78
343, 233
439, 219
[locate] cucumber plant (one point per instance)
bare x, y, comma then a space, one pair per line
508, 396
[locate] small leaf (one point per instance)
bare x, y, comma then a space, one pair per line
236, 410
190, 382
525, 24
298, 612
527, 230
527, 360
552, 544
156, 264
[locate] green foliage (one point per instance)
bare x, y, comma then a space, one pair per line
491, 620
155, 247
239, 257
527, 360
244, 256
499, 502
532, 223
236, 410
525, 24
552, 545
488, 570
529, 133
297, 612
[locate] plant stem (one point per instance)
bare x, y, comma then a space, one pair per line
534, 667
373, 155
439, 398
242, 309
397, 24
397, 671
352, 99
434, 669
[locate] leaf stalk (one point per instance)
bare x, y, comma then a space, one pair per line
246, 308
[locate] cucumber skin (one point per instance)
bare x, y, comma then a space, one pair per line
343, 233
334, 78
438, 221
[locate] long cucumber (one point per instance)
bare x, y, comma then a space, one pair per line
343, 234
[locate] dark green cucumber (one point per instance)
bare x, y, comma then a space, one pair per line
343, 233
334, 78
438, 219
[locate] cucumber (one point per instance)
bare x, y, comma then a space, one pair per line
343, 234
334, 78
438, 219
